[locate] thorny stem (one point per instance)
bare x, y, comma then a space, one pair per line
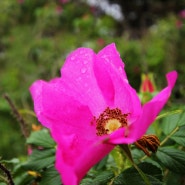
16, 113
127, 152
4, 179
7, 172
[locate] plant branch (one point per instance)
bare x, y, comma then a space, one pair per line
129, 156
168, 136
19, 117
7, 172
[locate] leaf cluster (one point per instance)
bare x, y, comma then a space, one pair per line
39, 167
168, 162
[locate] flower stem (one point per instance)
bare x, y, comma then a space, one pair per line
19, 117
168, 136
127, 152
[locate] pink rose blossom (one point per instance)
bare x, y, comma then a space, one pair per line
182, 13
147, 84
59, 10
20, 1
100, 42
64, 1
179, 24
91, 108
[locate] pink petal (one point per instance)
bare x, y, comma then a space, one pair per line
74, 163
48, 103
150, 111
119, 137
39, 98
152, 108
77, 122
71, 127
111, 56
111, 77
78, 73
79, 148
104, 81
54, 107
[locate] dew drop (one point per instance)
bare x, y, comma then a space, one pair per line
120, 69
126, 81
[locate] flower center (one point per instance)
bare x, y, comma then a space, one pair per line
112, 125
110, 120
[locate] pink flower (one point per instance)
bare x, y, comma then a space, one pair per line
179, 24
59, 10
182, 13
64, 1
20, 1
147, 84
100, 42
91, 108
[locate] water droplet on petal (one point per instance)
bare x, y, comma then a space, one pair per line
83, 70
126, 80
120, 69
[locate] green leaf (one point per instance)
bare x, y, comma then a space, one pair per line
181, 121
50, 177
171, 158
23, 179
179, 136
117, 159
12, 161
131, 176
41, 138
137, 154
169, 123
40, 159
102, 164
172, 121
103, 178
174, 179
86, 181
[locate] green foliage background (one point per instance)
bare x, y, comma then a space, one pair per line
36, 36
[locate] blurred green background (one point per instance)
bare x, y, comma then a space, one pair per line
37, 35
